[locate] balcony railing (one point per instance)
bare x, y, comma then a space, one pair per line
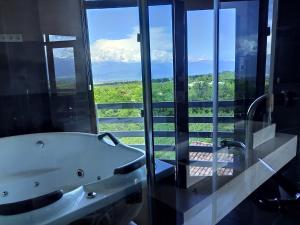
167, 119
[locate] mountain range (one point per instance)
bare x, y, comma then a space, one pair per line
118, 71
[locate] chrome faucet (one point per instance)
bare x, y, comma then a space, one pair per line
249, 123
230, 144
251, 113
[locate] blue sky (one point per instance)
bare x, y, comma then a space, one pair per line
112, 34
108, 22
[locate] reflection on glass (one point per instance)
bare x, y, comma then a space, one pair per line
269, 42
200, 68
161, 50
64, 68
226, 88
61, 38
200, 171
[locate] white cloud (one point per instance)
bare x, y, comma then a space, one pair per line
193, 59
63, 53
247, 45
127, 50
161, 45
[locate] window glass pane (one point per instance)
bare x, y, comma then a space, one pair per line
227, 54
200, 68
116, 68
64, 67
160, 21
200, 24
61, 38
269, 42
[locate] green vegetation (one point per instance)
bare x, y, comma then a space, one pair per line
65, 83
200, 89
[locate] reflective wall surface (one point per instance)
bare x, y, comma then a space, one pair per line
44, 77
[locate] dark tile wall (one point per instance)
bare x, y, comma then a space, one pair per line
27, 104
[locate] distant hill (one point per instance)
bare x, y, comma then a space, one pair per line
118, 71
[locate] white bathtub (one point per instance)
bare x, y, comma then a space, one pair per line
57, 178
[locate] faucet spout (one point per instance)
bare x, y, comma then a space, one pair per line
251, 113
229, 144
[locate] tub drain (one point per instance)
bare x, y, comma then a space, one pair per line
4, 194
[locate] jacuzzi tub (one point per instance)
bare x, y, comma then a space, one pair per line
58, 178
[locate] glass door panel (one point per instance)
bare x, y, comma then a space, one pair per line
64, 69
200, 69
116, 68
161, 49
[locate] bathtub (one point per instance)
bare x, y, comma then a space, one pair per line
67, 178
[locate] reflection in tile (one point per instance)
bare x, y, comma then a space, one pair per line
207, 171
206, 156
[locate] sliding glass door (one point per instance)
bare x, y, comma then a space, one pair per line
176, 79
116, 67
200, 30
218, 70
